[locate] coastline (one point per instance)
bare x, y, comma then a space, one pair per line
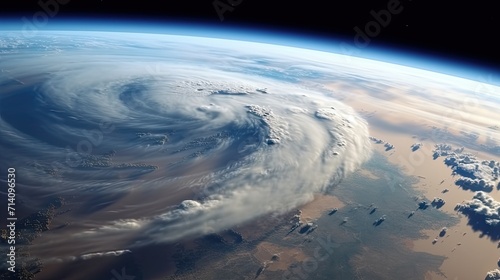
461, 246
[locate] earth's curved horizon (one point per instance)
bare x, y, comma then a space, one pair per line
131, 143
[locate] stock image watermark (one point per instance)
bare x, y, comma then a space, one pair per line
48, 9
321, 253
93, 138
372, 29
468, 105
75, 156
122, 275
223, 6
11, 219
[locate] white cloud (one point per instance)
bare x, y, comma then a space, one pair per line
475, 174
493, 274
255, 153
484, 206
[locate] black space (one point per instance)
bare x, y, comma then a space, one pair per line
463, 30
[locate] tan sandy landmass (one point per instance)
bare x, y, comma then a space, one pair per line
434, 177
321, 204
468, 255
284, 256
461, 260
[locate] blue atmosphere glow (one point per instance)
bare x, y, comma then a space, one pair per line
460, 67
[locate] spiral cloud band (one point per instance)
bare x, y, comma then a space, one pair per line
170, 137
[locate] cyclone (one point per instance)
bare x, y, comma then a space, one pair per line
171, 142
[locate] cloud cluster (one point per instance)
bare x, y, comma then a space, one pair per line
493, 274
475, 184
475, 174
88, 256
388, 146
415, 146
104, 254
482, 206
376, 140
438, 202
443, 149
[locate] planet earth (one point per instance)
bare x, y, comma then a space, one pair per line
162, 156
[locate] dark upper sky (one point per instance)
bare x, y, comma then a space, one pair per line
466, 30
